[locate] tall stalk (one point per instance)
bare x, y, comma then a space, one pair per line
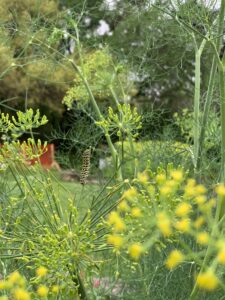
129, 135
210, 89
216, 46
197, 96
207, 104
222, 103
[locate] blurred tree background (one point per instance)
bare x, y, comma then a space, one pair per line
157, 52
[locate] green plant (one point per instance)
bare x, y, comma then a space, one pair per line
165, 210
38, 229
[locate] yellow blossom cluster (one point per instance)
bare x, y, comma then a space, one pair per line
117, 222
174, 258
16, 288
207, 280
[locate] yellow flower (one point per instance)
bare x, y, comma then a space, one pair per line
21, 294
207, 280
220, 190
129, 194
175, 258
119, 225
123, 206
164, 224
136, 212
200, 199
171, 183
202, 238
41, 271
191, 182
183, 209
177, 175
142, 177
166, 190
221, 256
115, 240
42, 291
183, 225
3, 285
135, 251
113, 217
200, 189
199, 222
189, 189
55, 289
160, 178
14, 277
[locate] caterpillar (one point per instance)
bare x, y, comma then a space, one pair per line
86, 157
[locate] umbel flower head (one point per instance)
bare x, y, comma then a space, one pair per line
174, 259
207, 280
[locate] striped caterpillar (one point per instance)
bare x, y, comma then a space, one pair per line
85, 166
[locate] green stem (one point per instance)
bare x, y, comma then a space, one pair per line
216, 48
206, 110
210, 89
222, 105
114, 96
131, 142
197, 95
133, 153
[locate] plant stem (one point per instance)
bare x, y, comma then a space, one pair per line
197, 95
133, 153
210, 89
216, 48
222, 105
131, 142
206, 110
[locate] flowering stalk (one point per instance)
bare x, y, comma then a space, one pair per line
197, 95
